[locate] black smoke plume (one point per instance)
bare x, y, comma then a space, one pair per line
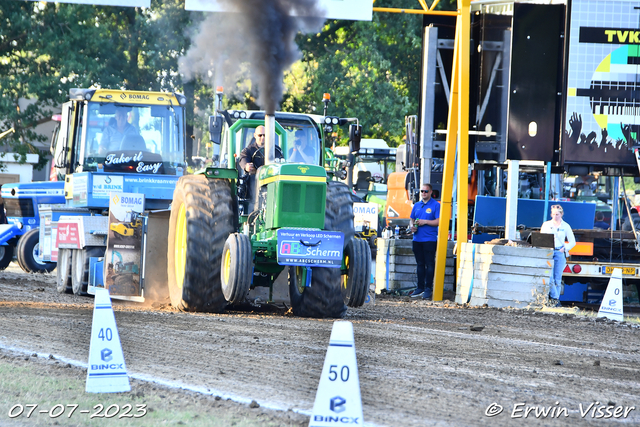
260, 33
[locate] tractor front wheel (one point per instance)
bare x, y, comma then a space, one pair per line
201, 220
237, 268
355, 283
27, 254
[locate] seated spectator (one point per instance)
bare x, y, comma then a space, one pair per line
600, 222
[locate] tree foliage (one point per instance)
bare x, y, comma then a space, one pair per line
371, 69
48, 48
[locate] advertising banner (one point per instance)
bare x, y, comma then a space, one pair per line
70, 233
356, 10
311, 248
602, 112
122, 260
365, 214
104, 185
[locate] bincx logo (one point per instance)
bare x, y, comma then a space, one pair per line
123, 96
115, 199
337, 404
106, 355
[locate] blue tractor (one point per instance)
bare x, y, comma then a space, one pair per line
19, 236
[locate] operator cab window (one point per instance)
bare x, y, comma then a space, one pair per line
149, 135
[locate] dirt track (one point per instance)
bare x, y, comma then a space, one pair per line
419, 363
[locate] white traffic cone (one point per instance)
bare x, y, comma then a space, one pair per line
611, 306
338, 400
107, 372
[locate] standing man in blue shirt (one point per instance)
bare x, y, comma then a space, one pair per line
425, 218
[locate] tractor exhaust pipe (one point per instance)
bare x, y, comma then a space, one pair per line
270, 138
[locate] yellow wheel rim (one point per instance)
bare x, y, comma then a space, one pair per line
345, 277
226, 266
181, 246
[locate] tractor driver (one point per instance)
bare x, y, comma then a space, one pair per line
252, 157
115, 132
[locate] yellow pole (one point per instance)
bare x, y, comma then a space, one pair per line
448, 172
463, 28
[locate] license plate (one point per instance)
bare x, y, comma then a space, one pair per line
625, 270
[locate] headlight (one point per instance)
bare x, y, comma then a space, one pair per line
334, 121
393, 152
243, 115
369, 150
236, 114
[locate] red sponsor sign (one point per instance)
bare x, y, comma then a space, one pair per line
68, 236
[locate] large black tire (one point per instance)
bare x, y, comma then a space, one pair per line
355, 284
80, 267
63, 272
27, 250
201, 220
6, 255
236, 269
324, 297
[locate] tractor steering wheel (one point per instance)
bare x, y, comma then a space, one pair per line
261, 151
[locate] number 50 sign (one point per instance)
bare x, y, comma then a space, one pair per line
338, 396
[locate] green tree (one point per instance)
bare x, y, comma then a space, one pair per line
48, 48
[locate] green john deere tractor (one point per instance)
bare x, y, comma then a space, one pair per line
295, 232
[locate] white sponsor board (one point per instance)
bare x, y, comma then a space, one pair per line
365, 213
103, 185
356, 10
129, 3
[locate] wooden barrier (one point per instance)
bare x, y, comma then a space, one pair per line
502, 276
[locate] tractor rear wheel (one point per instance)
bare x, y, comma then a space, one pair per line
80, 267
355, 284
6, 255
27, 254
323, 298
201, 220
63, 272
237, 268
